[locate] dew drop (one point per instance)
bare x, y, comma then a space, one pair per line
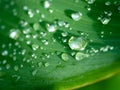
64, 57
7, 66
46, 64
35, 47
105, 20
34, 72
36, 26
107, 3
39, 64
64, 34
90, 1
51, 27
5, 53
76, 16
61, 23
14, 34
46, 4
77, 43
30, 13
16, 68
80, 56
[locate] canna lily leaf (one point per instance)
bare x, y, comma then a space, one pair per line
58, 44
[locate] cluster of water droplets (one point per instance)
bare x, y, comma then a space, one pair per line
36, 40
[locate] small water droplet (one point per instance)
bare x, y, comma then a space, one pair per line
5, 53
46, 64
65, 56
77, 43
14, 34
51, 27
34, 72
46, 4
4, 61
105, 20
76, 16
40, 64
64, 34
61, 23
107, 3
7, 66
30, 13
80, 56
35, 47
90, 1
16, 68
36, 26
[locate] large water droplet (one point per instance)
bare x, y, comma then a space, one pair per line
77, 43
76, 16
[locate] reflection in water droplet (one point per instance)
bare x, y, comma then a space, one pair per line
65, 56
77, 43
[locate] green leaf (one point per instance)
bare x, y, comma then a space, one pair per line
58, 44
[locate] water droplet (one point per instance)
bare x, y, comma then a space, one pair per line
7, 66
46, 64
4, 61
76, 16
64, 34
77, 43
40, 64
16, 77
65, 56
30, 13
80, 56
105, 20
35, 47
16, 68
107, 3
5, 53
34, 72
46, 4
36, 26
14, 34
61, 23
51, 27
90, 1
